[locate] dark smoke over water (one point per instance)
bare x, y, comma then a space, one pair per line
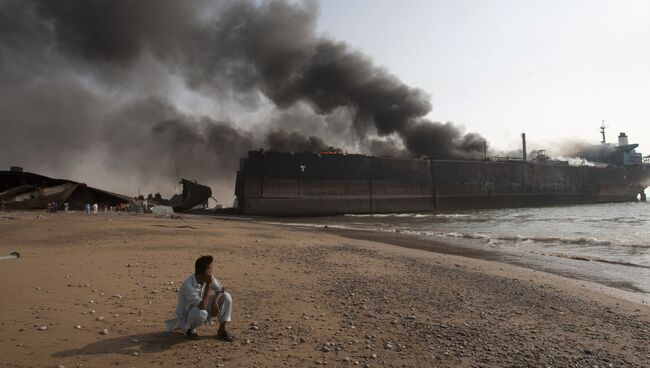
124, 93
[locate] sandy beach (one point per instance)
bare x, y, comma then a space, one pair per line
94, 291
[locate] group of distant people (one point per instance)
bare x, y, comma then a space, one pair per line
89, 208
54, 207
92, 208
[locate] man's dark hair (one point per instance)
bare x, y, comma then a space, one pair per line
202, 264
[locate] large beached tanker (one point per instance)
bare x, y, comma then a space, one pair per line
329, 183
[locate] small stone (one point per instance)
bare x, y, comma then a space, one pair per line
100, 318
135, 353
78, 327
374, 356
42, 328
104, 331
135, 341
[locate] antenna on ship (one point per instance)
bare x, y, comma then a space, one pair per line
602, 132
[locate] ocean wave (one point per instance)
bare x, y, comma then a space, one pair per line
556, 240
591, 258
381, 215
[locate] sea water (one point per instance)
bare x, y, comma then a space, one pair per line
608, 243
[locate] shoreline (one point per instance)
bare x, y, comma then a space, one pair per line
445, 246
580, 269
627, 292
315, 297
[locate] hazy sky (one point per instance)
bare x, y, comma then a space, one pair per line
553, 69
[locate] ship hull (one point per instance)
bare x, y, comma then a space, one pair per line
284, 184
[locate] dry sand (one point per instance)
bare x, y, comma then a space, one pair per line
302, 298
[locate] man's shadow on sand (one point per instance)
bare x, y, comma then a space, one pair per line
144, 343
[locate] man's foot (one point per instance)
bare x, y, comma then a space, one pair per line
191, 335
225, 335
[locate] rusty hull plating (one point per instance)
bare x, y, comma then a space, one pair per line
312, 184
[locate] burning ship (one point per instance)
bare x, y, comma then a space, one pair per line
332, 183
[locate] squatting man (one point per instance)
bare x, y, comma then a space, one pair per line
200, 298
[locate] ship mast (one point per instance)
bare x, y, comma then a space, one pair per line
602, 132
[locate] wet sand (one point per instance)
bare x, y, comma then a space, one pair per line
303, 297
617, 287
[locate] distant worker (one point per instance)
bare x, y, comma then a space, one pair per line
95, 208
200, 298
87, 208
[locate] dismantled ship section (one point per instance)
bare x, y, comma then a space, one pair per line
24, 190
194, 196
313, 184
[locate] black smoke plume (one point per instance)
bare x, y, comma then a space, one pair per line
124, 93
292, 141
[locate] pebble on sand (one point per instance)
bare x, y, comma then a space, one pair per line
42, 328
78, 327
104, 331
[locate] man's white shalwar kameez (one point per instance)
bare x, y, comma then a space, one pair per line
188, 314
